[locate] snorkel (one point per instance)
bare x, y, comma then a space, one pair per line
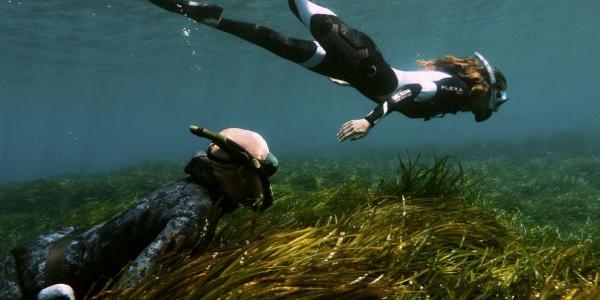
497, 98
239, 155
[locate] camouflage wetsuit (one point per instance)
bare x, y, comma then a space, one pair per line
176, 215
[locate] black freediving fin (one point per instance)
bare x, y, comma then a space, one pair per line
198, 11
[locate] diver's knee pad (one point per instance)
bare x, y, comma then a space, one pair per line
365, 47
354, 38
330, 24
354, 47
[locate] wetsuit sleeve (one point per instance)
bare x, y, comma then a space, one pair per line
191, 219
406, 93
179, 233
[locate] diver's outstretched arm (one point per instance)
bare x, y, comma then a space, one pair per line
354, 130
394, 102
179, 233
357, 129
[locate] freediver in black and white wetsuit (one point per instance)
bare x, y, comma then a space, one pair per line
176, 217
349, 57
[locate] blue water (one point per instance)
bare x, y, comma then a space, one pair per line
94, 85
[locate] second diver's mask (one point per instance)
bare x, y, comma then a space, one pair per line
497, 96
239, 155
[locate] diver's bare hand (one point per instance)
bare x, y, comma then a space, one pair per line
354, 129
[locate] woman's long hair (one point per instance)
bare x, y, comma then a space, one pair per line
467, 69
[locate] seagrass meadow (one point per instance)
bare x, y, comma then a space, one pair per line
521, 224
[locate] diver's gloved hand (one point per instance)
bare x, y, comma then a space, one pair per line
201, 12
354, 129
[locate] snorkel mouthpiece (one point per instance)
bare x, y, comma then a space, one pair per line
242, 157
497, 98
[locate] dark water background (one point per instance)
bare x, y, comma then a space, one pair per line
97, 84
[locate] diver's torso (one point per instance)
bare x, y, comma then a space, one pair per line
104, 249
107, 247
440, 93
428, 80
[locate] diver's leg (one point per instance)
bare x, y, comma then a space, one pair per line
350, 51
30, 267
306, 53
9, 283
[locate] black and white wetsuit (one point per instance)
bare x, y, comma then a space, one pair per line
176, 216
349, 56
422, 94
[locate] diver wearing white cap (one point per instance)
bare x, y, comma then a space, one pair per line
179, 216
